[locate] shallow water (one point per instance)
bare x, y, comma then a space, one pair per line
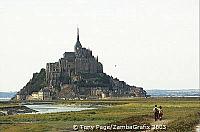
48, 108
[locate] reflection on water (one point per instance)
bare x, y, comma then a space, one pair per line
48, 108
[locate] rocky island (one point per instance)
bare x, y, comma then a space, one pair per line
77, 75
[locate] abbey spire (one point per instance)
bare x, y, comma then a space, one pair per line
78, 43
77, 34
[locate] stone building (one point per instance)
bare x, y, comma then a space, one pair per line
72, 64
43, 94
100, 92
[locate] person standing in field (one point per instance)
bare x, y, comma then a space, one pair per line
156, 113
160, 113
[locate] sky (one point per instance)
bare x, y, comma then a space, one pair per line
153, 43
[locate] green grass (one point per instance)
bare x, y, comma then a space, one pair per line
185, 123
180, 114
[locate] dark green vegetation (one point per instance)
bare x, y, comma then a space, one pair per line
94, 80
185, 123
180, 114
35, 84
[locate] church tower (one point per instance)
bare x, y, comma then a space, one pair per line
78, 45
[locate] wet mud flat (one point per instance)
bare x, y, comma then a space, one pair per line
12, 110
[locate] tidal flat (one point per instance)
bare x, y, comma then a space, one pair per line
180, 114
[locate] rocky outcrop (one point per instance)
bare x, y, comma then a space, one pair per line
67, 91
35, 84
12, 110
82, 86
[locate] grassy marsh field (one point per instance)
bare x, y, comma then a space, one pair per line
180, 114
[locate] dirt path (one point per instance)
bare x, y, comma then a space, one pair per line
162, 122
197, 128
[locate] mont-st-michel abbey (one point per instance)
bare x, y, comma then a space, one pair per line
72, 64
77, 75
